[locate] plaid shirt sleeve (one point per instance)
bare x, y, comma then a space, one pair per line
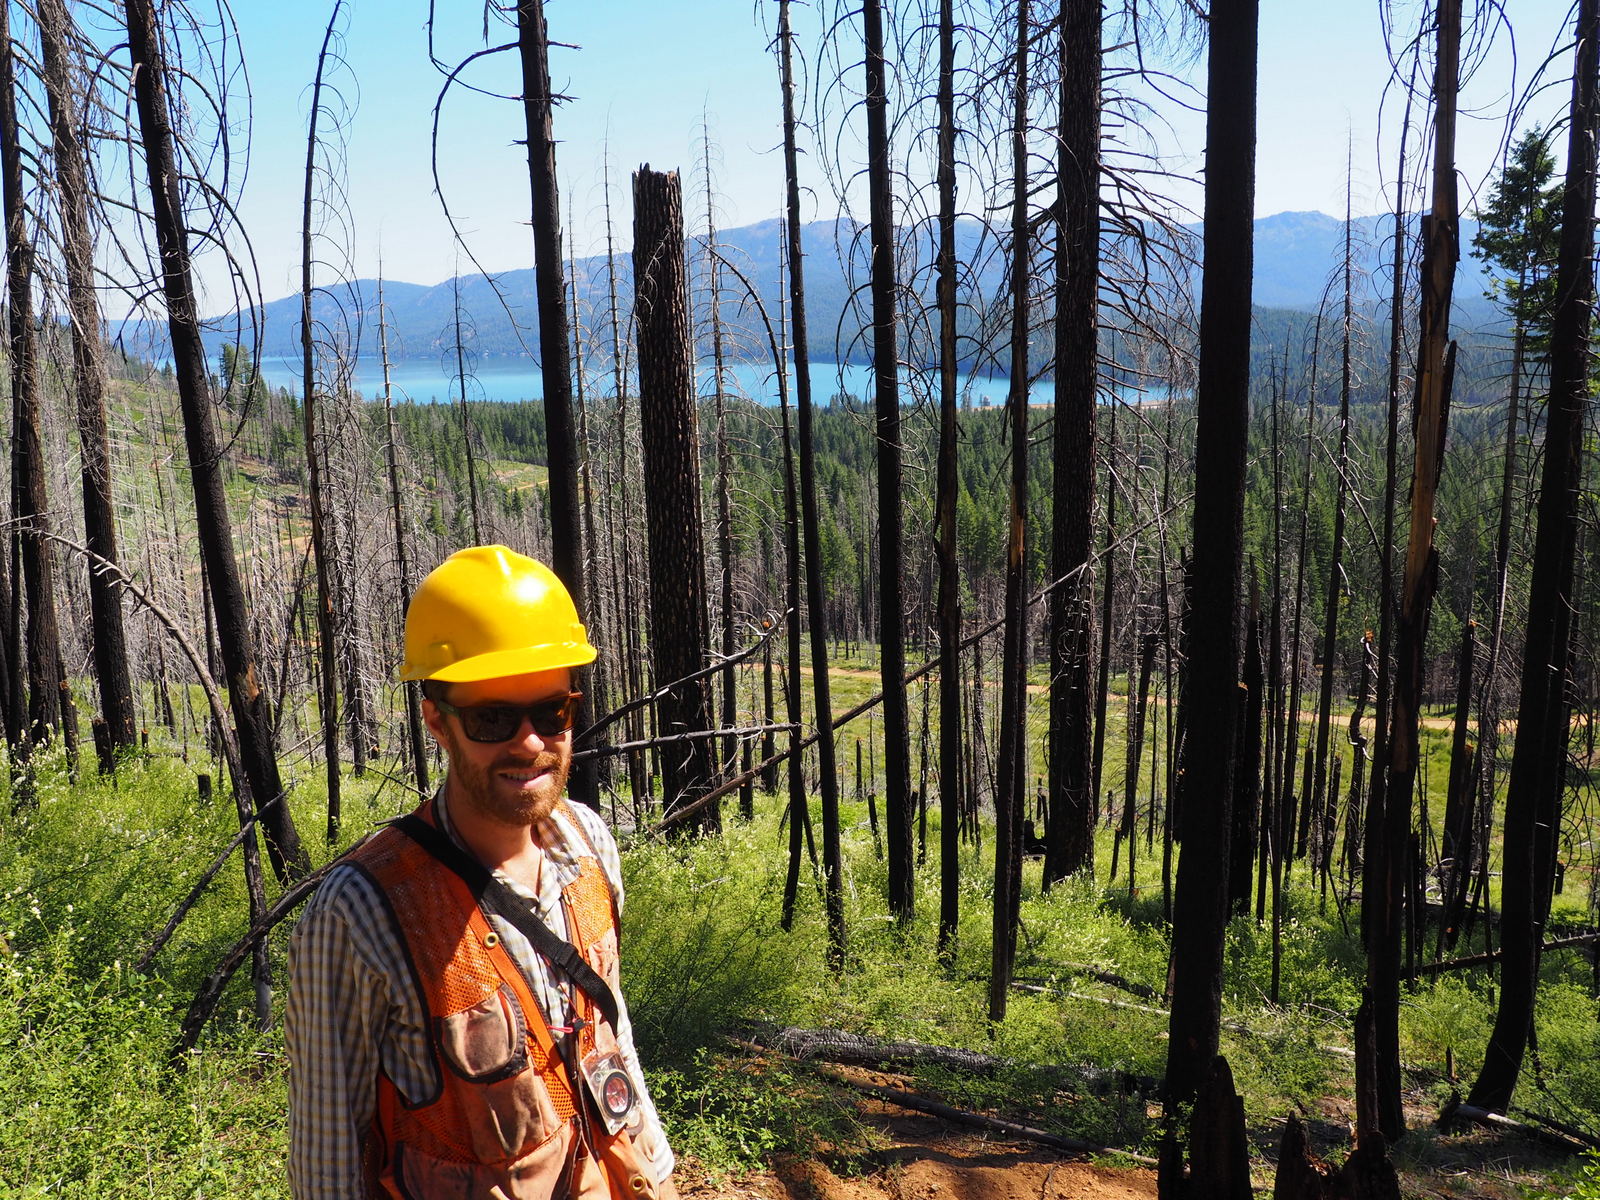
346, 1002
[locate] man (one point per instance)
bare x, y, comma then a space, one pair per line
455, 1026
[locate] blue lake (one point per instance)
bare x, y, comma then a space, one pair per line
427, 381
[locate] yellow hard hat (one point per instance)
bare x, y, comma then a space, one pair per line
488, 611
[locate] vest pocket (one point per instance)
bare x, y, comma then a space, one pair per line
549, 1171
487, 1042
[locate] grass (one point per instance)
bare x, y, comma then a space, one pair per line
93, 1108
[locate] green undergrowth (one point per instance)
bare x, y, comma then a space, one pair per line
91, 1103
93, 1107
1581, 1182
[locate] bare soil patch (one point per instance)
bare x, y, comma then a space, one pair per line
923, 1158
916, 1157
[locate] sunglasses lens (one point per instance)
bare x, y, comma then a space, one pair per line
553, 716
500, 722
490, 723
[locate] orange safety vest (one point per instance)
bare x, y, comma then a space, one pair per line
506, 1121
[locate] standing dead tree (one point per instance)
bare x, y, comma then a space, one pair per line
555, 334
89, 377
418, 740
1387, 876
950, 727
1010, 771
234, 627
886, 386
1222, 402
309, 406
1533, 799
29, 500
810, 521
678, 619
1070, 825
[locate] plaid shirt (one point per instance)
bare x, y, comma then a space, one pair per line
351, 1014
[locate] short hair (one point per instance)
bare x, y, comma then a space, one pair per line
434, 689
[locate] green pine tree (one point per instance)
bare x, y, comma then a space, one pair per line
1518, 238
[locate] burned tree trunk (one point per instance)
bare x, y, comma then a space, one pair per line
948, 487
1389, 822
1222, 403
726, 633
1070, 822
314, 498
89, 380
1322, 801
1457, 849
1009, 770
11, 699
555, 339
810, 522
1366, 1175
678, 617
248, 702
1533, 797
885, 367
29, 501
417, 739
1247, 788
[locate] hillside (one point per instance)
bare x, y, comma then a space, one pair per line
1297, 254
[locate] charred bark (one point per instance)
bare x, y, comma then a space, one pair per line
678, 618
89, 380
1070, 824
1533, 796
555, 344
1221, 399
321, 560
886, 381
1012, 754
245, 697
1387, 865
945, 503
30, 502
816, 612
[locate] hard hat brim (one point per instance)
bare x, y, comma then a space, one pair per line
524, 660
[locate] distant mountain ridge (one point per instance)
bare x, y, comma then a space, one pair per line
1296, 257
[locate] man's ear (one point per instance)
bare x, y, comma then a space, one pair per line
434, 720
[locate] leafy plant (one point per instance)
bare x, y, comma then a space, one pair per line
732, 1114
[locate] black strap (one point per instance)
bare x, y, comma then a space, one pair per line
494, 894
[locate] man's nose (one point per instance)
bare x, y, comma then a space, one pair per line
527, 737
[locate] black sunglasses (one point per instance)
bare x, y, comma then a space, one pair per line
500, 722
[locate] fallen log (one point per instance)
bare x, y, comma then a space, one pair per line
1110, 978
1231, 1026
1577, 1135
1481, 960
855, 1050
1456, 1111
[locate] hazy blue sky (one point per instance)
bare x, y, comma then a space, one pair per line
647, 72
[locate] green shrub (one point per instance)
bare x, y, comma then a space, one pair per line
1447, 1016
1584, 1181
1565, 1082
92, 1108
701, 945
733, 1114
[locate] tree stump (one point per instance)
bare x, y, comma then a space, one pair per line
1366, 1175
1219, 1154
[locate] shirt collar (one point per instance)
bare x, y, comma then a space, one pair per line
555, 834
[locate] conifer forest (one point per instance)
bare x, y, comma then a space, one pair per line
1144, 724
